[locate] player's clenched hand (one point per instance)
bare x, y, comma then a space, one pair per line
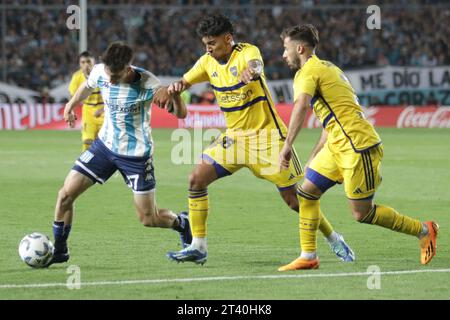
285, 157
70, 117
176, 87
247, 76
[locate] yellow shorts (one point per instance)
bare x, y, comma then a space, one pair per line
360, 172
258, 153
90, 125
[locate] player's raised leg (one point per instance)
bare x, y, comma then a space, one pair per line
366, 211
360, 186
202, 175
151, 216
335, 240
74, 185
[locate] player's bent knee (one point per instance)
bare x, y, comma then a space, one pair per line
65, 198
196, 181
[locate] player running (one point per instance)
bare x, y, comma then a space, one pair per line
254, 135
124, 144
92, 110
349, 150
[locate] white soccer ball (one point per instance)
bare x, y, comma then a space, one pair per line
36, 249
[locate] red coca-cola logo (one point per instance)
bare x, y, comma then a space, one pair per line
412, 117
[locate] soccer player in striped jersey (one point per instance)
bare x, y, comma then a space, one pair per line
254, 135
92, 110
124, 144
349, 151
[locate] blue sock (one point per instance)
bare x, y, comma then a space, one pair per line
60, 233
67, 229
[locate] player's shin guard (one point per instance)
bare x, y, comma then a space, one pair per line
389, 218
198, 212
309, 220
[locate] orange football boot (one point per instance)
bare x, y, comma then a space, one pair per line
428, 243
301, 264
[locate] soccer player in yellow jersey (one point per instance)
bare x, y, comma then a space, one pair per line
348, 151
92, 111
254, 135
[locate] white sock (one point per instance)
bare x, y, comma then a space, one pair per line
308, 255
333, 237
199, 244
424, 231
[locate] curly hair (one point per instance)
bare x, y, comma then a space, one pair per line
214, 25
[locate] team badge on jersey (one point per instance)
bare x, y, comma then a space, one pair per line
233, 71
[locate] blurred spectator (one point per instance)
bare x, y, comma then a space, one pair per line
41, 51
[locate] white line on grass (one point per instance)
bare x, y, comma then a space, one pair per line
224, 278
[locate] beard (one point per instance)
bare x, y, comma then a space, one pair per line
295, 64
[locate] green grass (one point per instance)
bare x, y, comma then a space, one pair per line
251, 231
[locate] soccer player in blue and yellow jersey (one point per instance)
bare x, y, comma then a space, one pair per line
92, 110
349, 151
254, 135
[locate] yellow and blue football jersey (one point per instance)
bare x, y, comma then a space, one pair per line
336, 105
94, 100
248, 108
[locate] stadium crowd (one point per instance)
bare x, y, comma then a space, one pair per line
41, 52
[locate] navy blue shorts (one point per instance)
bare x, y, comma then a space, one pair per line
99, 163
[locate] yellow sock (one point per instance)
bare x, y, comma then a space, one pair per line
325, 225
84, 147
198, 212
389, 218
309, 219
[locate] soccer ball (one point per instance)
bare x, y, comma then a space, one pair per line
36, 250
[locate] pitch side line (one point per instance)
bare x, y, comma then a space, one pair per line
226, 278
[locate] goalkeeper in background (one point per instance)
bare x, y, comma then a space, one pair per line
92, 111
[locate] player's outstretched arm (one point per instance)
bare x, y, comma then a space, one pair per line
81, 94
298, 116
178, 86
172, 102
318, 147
179, 107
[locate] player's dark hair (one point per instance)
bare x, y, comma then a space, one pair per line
117, 56
85, 54
214, 25
305, 32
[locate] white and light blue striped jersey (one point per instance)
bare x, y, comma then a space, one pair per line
126, 129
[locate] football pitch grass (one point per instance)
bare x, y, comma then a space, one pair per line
251, 231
